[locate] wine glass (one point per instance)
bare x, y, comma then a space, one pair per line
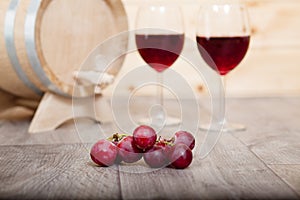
159, 39
223, 36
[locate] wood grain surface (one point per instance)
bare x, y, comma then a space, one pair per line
260, 163
54, 172
230, 171
290, 174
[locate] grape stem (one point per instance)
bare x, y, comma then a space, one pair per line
116, 137
169, 142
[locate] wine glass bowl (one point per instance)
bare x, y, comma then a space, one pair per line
159, 51
223, 53
223, 37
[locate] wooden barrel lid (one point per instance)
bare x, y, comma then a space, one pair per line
66, 31
43, 42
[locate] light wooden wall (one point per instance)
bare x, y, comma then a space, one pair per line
272, 65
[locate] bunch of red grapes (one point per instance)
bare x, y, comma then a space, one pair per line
156, 151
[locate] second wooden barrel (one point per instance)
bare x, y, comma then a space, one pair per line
42, 42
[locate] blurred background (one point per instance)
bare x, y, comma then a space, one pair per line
271, 66
270, 69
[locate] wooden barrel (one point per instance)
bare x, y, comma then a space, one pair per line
42, 42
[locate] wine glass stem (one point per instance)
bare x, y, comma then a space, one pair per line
160, 92
223, 105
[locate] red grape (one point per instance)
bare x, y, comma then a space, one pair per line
128, 152
165, 146
104, 153
144, 137
180, 156
156, 157
186, 138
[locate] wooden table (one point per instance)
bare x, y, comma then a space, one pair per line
262, 162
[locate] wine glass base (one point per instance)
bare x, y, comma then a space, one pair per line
169, 121
224, 127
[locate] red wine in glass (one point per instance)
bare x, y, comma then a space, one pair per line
223, 53
223, 36
159, 51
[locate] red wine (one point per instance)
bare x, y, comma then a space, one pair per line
160, 51
223, 53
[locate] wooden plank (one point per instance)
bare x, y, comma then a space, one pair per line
266, 72
279, 148
16, 133
71, 132
230, 171
54, 172
274, 133
262, 162
274, 22
290, 174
